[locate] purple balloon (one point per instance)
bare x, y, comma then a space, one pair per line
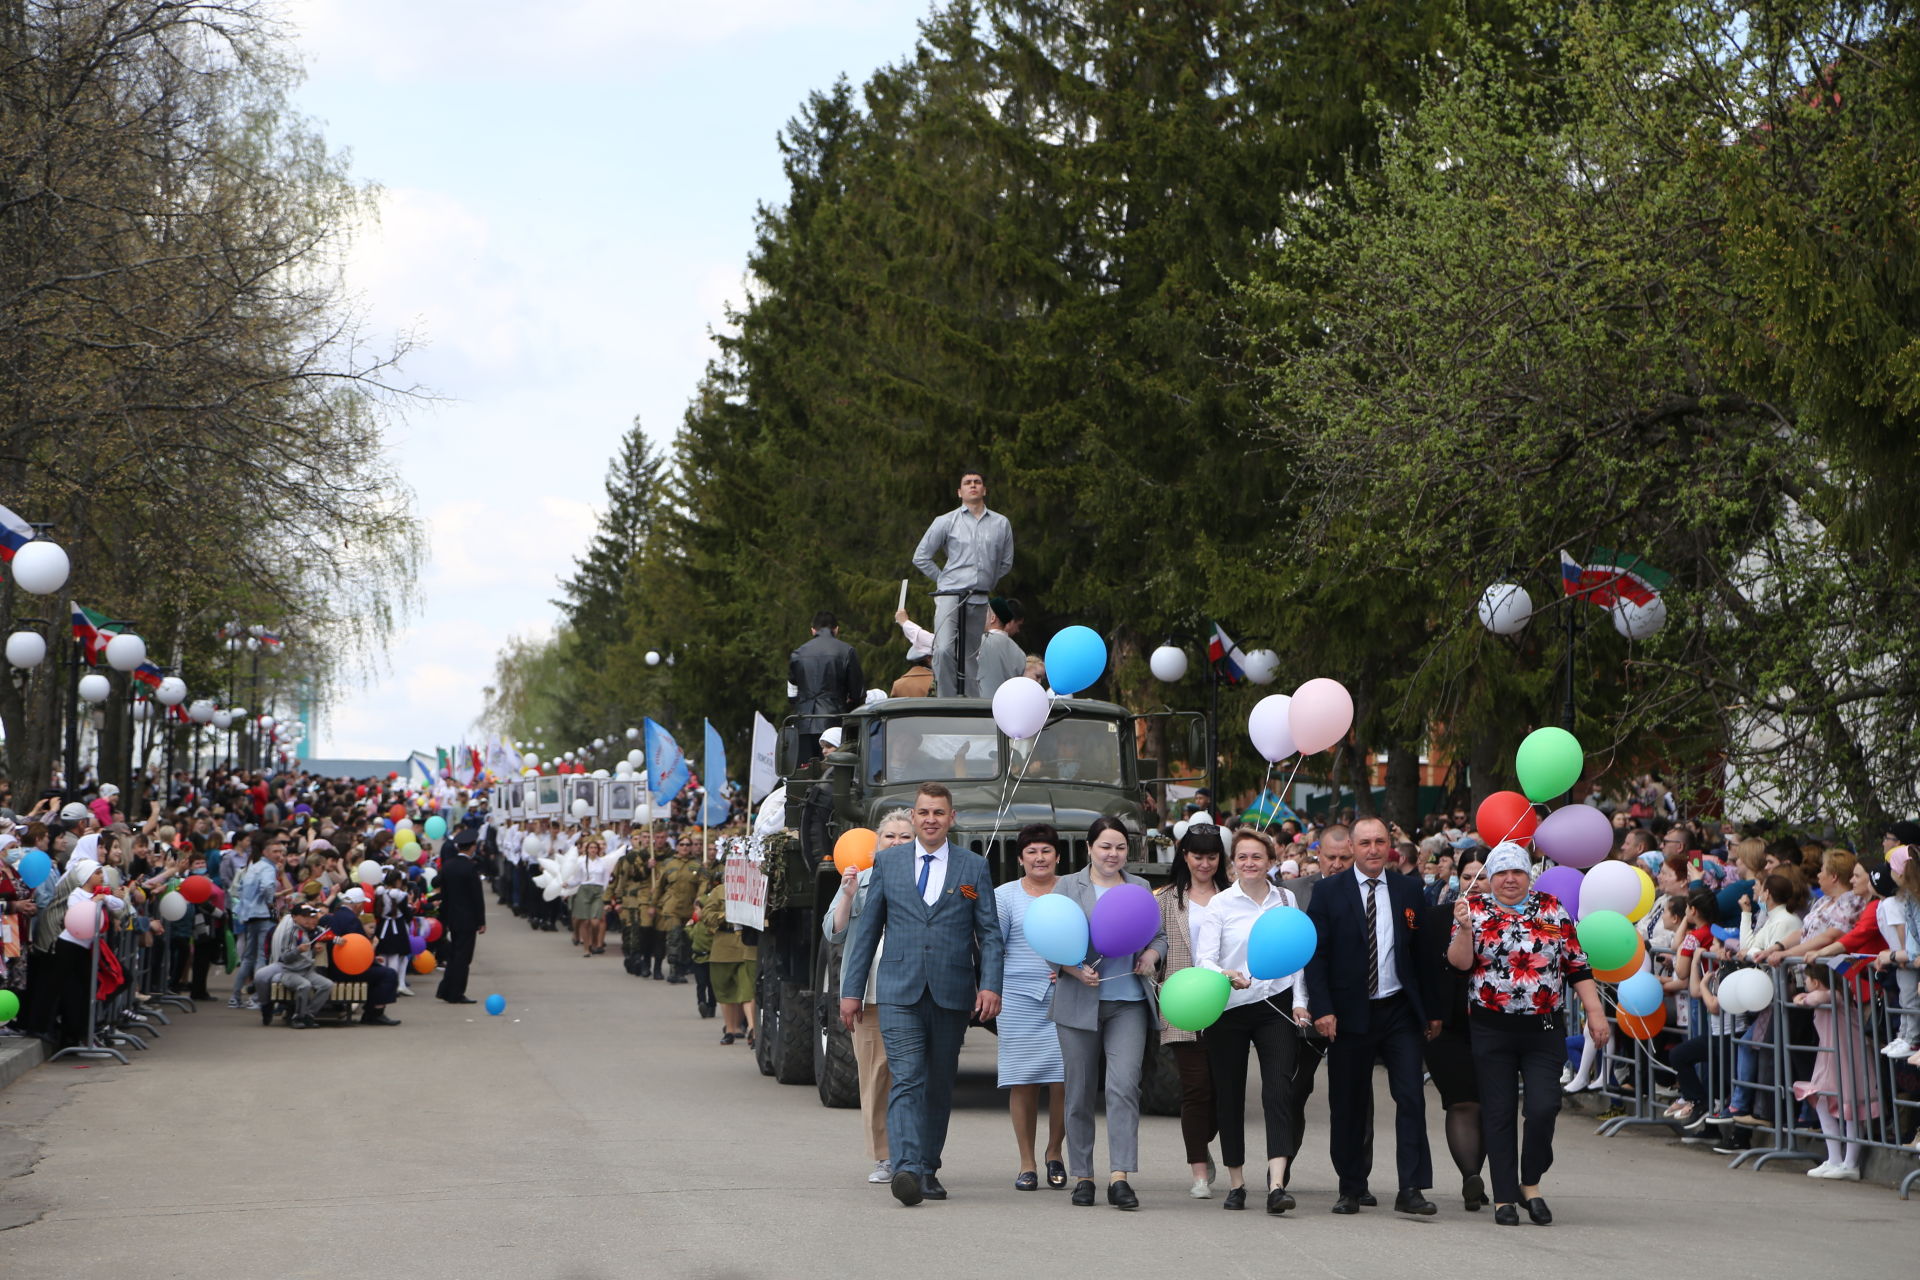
418, 943
1564, 884
1124, 920
1575, 835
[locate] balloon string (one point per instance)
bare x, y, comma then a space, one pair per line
1006, 792
1502, 840
1286, 788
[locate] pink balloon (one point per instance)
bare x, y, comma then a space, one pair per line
83, 920
1575, 835
1321, 714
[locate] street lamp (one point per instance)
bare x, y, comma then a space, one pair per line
41, 568
26, 649
126, 652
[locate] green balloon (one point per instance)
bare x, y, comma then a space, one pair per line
9, 1006
1549, 763
1608, 938
1194, 999
436, 827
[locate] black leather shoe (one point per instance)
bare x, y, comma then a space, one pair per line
1347, 1204
1411, 1201
459, 999
706, 1011
1120, 1195
1056, 1176
930, 1187
1029, 1180
726, 1037
1279, 1200
906, 1187
1473, 1193
379, 1020
1236, 1198
1083, 1192
1538, 1211
1506, 1215
1368, 1200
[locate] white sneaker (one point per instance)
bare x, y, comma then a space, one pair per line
1840, 1173
1201, 1190
251, 1004
406, 991
882, 1171
1819, 1170
1899, 1048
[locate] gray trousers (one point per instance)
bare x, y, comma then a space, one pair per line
310, 991
1121, 1042
948, 616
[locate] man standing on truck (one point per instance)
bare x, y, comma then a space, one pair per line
934, 903
825, 673
977, 545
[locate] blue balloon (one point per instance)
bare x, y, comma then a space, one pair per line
1057, 928
1640, 995
35, 866
1076, 657
496, 1004
1282, 941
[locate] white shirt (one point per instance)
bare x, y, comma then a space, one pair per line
598, 870
107, 903
1220, 932
1382, 929
936, 870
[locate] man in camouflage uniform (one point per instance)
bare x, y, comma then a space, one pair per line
632, 892
676, 886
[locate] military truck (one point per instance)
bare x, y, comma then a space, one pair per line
1082, 766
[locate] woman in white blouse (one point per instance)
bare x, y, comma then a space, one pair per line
1262, 1014
590, 898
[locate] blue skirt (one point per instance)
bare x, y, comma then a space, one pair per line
1029, 1044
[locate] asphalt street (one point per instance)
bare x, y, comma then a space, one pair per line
597, 1129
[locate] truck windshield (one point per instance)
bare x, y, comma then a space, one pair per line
1075, 751
924, 748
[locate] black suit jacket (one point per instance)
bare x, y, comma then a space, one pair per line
462, 905
1337, 974
826, 671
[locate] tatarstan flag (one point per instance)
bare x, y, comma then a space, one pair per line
92, 629
1609, 577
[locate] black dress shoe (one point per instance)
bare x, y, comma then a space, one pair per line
726, 1037
1473, 1193
1236, 1198
1506, 1215
1279, 1200
1347, 1204
906, 1187
1121, 1196
459, 999
930, 1187
1083, 1192
1411, 1201
1029, 1180
706, 1011
379, 1020
1538, 1211
1367, 1200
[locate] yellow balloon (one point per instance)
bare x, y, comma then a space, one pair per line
1645, 904
403, 839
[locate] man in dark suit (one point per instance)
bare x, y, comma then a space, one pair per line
1364, 990
1336, 859
934, 903
463, 914
825, 671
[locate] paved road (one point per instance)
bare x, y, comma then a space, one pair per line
597, 1130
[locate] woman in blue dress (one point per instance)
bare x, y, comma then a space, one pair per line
1029, 1046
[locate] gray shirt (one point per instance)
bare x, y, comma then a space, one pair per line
978, 550
1000, 661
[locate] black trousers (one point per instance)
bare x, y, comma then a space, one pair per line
1306, 1066
1394, 1037
205, 950
457, 953
1271, 1034
1504, 1060
1198, 1119
73, 974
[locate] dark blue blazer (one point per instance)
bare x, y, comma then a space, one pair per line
1337, 974
929, 948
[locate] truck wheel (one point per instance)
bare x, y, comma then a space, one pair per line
834, 1069
766, 997
1160, 1081
792, 1036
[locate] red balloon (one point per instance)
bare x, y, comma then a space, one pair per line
1644, 1028
398, 812
196, 889
1506, 815
434, 930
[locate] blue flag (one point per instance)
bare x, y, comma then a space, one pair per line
713, 771
666, 764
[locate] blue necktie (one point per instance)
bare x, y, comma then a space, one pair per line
926, 865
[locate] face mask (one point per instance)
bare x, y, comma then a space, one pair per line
1453, 882
1429, 877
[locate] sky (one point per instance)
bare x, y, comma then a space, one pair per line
567, 202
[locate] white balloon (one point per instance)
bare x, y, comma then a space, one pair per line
1742, 991
1505, 608
1020, 707
622, 770
632, 734
530, 761
368, 872
174, 907
94, 687
126, 653
599, 773
405, 824
1610, 886
599, 744
1261, 666
266, 723
635, 757
534, 846
653, 658
26, 648
172, 692
581, 808
643, 813
1168, 663
223, 719
1639, 621
41, 568
1270, 729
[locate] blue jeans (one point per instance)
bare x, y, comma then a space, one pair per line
1746, 1062
250, 942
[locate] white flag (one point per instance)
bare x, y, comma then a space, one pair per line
763, 777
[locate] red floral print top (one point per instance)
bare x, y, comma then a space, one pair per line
1523, 955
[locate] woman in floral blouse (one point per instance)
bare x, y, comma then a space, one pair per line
1519, 950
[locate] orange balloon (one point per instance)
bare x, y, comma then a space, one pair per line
397, 812
1628, 969
854, 849
424, 962
352, 954
1643, 1028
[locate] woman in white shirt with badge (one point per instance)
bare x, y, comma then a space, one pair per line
1261, 1014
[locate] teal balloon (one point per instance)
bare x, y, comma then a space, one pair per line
436, 827
1548, 763
1076, 658
1281, 942
1641, 995
1056, 927
1194, 999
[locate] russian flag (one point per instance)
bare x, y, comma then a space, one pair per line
1223, 652
149, 675
15, 533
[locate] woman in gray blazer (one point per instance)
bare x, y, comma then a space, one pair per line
1103, 1012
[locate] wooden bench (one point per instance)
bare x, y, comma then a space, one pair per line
347, 1004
